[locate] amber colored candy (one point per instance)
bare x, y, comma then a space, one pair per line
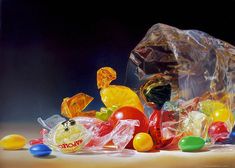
72, 107
105, 76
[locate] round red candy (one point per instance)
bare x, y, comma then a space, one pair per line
218, 131
128, 112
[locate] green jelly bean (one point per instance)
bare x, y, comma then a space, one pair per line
191, 143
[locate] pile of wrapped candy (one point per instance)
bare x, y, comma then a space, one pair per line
178, 94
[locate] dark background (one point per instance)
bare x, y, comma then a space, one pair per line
51, 50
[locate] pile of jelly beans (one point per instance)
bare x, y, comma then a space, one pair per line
17, 142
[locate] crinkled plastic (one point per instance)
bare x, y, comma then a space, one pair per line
185, 68
190, 63
88, 134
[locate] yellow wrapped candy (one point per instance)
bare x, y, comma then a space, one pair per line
115, 95
119, 96
217, 110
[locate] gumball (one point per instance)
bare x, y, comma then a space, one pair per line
132, 113
142, 142
218, 131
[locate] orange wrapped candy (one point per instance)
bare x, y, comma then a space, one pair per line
105, 76
73, 107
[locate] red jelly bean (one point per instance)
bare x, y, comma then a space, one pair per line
218, 131
36, 141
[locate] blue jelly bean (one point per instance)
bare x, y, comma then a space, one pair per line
40, 150
232, 137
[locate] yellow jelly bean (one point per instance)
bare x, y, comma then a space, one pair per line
142, 142
13, 142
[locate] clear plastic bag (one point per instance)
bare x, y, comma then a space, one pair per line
189, 68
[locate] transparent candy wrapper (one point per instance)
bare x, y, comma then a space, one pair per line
189, 76
85, 134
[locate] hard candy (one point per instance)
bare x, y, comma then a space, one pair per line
13, 142
142, 142
105, 76
217, 111
40, 150
157, 90
191, 143
117, 95
73, 106
70, 136
196, 124
218, 131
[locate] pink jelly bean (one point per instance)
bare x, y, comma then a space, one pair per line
36, 141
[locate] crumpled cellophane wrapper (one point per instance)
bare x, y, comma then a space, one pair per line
176, 65
86, 135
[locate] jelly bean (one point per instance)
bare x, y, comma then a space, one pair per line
36, 141
142, 142
40, 150
218, 131
13, 142
191, 143
232, 137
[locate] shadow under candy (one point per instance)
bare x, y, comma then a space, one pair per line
46, 157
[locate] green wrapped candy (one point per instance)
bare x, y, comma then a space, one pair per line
191, 143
